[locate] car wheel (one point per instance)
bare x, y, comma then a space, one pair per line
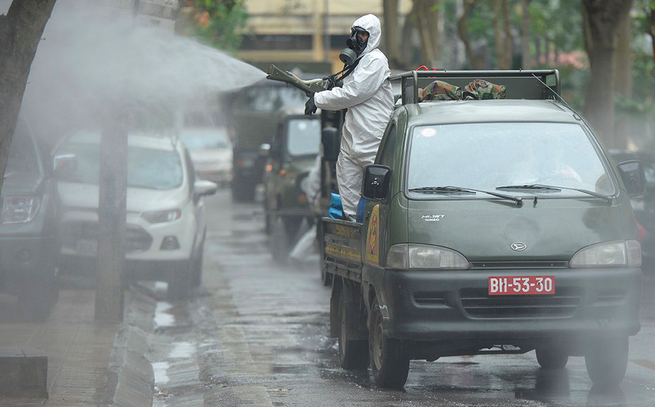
179, 283
550, 358
607, 361
389, 358
353, 353
196, 264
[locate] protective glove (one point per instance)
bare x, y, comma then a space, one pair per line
330, 81
310, 106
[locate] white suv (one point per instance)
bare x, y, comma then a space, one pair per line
165, 231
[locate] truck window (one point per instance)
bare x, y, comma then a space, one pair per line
489, 155
304, 136
389, 146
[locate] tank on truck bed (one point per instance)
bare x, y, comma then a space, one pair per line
493, 226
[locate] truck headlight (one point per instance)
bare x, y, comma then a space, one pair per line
162, 216
19, 209
424, 257
608, 254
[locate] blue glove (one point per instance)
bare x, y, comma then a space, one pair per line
310, 106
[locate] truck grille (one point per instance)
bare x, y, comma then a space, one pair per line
478, 304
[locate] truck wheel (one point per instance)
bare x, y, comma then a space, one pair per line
325, 276
279, 242
353, 353
389, 358
550, 358
607, 361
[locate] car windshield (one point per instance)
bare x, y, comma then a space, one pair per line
269, 98
487, 156
205, 139
303, 137
22, 155
146, 167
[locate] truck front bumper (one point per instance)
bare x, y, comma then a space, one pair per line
455, 305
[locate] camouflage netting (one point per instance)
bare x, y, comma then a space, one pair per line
478, 89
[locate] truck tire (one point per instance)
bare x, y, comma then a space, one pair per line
389, 358
326, 277
550, 358
280, 241
353, 352
607, 361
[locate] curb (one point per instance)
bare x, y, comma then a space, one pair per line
130, 380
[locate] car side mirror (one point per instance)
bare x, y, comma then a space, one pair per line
331, 144
204, 188
632, 174
377, 180
64, 163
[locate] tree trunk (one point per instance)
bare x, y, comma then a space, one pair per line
602, 18
20, 33
525, 35
502, 35
623, 77
462, 29
509, 41
428, 27
392, 50
651, 28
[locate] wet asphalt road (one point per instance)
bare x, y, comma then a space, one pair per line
262, 331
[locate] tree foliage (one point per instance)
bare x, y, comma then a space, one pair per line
219, 23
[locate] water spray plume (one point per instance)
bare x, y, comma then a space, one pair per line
95, 59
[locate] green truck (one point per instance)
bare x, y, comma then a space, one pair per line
290, 157
490, 227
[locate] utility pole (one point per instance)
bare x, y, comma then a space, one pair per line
111, 219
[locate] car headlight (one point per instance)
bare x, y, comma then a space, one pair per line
18, 209
608, 254
161, 216
424, 257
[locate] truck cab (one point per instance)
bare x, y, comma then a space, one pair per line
491, 227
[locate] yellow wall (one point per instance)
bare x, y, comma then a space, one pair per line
307, 17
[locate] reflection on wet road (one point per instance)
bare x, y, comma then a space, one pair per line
264, 341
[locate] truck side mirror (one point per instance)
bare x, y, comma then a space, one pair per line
377, 180
331, 144
632, 174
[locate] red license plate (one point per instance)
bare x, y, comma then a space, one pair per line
529, 285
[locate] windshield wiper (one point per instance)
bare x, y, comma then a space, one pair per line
542, 187
452, 189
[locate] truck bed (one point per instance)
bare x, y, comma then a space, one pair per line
342, 248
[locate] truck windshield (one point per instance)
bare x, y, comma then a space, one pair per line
490, 155
304, 136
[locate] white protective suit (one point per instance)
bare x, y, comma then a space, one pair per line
368, 96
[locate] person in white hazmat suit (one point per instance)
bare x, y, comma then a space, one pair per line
367, 94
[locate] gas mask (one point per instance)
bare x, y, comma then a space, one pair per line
355, 46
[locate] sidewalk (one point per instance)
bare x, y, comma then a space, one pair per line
82, 365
